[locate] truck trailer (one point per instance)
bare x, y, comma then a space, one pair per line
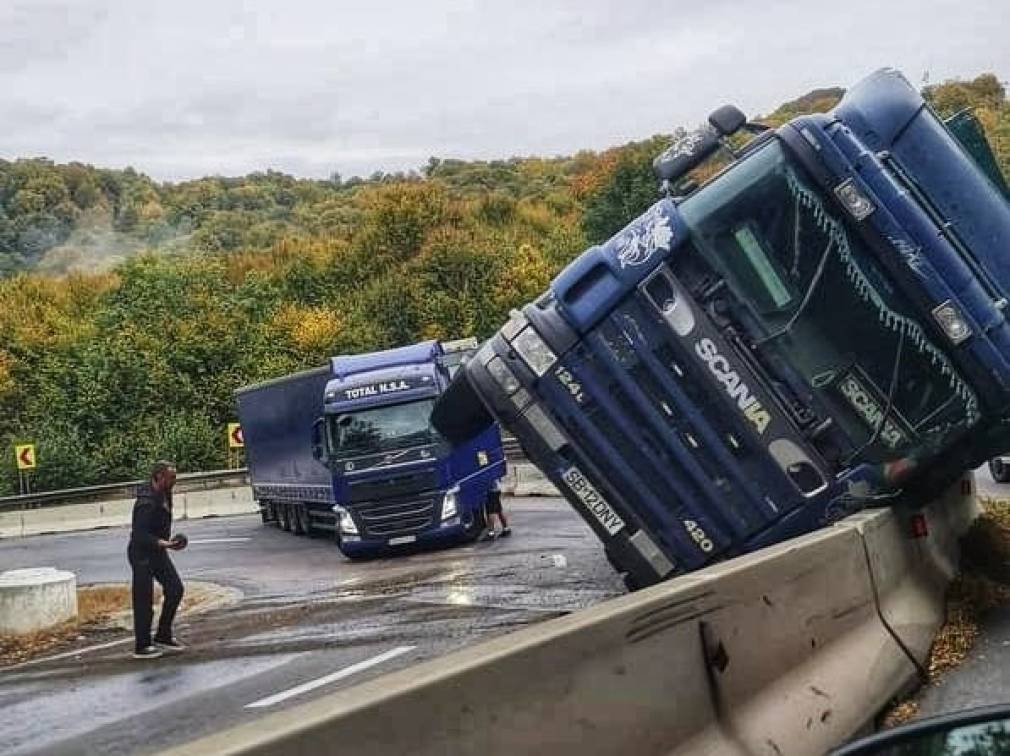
349, 448
819, 327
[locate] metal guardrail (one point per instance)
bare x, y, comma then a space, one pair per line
186, 482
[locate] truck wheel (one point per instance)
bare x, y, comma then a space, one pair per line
307, 522
298, 519
284, 515
267, 512
476, 526
1000, 470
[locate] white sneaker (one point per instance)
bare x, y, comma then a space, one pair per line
150, 652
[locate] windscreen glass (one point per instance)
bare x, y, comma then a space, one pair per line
382, 429
825, 305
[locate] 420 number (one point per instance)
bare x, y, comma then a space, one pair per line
698, 536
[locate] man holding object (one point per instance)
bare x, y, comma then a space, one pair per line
150, 541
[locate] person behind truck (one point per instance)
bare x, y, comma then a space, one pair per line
150, 541
494, 508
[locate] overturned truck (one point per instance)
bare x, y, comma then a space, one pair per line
819, 327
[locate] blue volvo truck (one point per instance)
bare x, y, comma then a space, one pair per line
819, 327
350, 448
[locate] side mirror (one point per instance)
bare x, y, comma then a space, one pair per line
685, 154
319, 439
985, 730
727, 120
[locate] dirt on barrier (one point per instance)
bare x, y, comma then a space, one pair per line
984, 583
104, 611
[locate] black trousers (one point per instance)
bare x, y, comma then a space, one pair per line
147, 567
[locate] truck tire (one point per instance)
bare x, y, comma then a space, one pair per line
1000, 470
267, 512
307, 522
284, 515
298, 518
476, 527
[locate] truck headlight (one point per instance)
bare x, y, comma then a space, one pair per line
504, 377
534, 351
952, 322
345, 523
449, 508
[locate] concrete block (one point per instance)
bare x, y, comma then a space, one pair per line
11, 524
35, 599
76, 517
529, 481
217, 503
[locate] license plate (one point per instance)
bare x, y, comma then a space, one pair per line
593, 500
402, 540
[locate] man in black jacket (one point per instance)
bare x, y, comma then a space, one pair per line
150, 541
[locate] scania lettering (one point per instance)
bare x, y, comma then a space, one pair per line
349, 448
819, 326
734, 387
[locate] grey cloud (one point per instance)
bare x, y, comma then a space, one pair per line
311, 86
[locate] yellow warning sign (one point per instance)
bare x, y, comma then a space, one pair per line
235, 440
25, 456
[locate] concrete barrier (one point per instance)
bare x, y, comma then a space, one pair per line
104, 514
35, 599
787, 651
219, 503
525, 479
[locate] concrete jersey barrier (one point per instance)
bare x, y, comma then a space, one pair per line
191, 505
790, 650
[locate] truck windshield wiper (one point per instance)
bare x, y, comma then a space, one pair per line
807, 296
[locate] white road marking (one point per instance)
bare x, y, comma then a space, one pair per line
69, 654
559, 560
241, 539
319, 682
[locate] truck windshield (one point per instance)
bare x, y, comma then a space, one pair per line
382, 429
825, 306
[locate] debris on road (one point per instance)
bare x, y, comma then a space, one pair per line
983, 585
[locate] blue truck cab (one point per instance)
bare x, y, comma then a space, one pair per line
350, 448
819, 327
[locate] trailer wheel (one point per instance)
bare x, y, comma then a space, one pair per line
1000, 470
307, 522
284, 515
298, 518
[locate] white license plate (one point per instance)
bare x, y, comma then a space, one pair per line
593, 500
399, 541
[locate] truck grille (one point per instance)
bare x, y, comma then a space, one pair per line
658, 430
395, 518
391, 486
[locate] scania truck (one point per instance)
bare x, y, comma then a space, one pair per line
818, 327
349, 448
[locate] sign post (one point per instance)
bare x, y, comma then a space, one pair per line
24, 457
236, 445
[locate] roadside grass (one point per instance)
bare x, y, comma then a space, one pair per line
984, 583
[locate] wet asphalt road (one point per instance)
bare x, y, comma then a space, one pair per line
308, 616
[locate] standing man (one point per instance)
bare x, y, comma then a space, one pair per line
150, 541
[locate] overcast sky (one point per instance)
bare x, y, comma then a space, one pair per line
194, 87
